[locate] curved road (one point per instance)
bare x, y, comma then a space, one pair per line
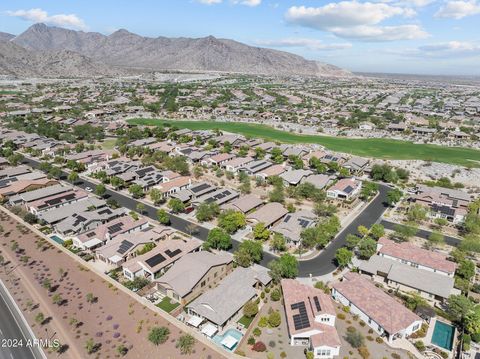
320, 265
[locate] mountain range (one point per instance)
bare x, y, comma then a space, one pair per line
125, 50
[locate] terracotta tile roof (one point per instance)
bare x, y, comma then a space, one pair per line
415, 254
375, 303
294, 292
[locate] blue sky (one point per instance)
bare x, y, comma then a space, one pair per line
396, 36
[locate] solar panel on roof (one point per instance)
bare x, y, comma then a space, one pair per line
300, 320
155, 260
199, 187
124, 246
287, 218
171, 254
348, 189
90, 234
115, 228
317, 303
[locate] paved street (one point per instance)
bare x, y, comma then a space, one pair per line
13, 327
320, 265
422, 233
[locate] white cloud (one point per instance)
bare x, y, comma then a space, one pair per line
209, 2
312, 44
458, 9
38, 15
355, 20
450, 49
251, 3
381, 33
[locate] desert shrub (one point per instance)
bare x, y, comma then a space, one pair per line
364, 353
341, 316
259, 347
251, 341
355, 339
370, 338
362, 323
257, 332
379, 340
263, 322
351, 329
419, 345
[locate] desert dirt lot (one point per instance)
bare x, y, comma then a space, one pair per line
110, 320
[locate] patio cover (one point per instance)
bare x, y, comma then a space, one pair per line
92, 243
115, 258
229, 341
195, 321
209, 330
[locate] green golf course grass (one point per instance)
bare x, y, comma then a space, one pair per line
375, 147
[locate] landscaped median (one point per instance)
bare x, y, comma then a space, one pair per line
371, 147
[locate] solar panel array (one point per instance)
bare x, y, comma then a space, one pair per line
115, 228
90, 234
317, 303
171, 254
348, 189
156, 259
300, 320
303, 223
124, 246
200, 187
287, 218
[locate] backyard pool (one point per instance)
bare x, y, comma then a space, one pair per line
443, 335
230, 332
56, 239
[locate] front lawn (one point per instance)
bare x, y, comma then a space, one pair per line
167, 305
245, 321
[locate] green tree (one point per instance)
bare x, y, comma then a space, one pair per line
367, 248
393, 196
416, 213
72, 177
248, 251
368, 190
250, 309
140, 208
186, 344
284, 267
176, 205
231, 220
459, 307
156, 196
274, 319
355, 339
377, 231
158, 335
117, 183
207, 211
466, 269
352, 241
90, 346
218, 239
260, 232
163, 217
100, 190
404, 232
343, 257
278, 242
136, 191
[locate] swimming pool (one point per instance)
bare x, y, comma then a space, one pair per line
232, 332
443, 335
57, 239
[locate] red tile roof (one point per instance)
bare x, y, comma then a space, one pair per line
375, 303
415, 254
294, 292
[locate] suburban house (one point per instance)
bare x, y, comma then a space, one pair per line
244, 204
26, 198
57, 200
385, 315
108, 231
450, 204
193, 274
55, 215
292, 225
320, 181
217, 160
345, 189
356, 165
294, 177
194, 191
269, 214
87, 220
311, 318
222, 304
16, 188
174, 186
235, 164
408, 253
220, 196
156, 262
275, 170
255, 167
125, 245
434, 287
